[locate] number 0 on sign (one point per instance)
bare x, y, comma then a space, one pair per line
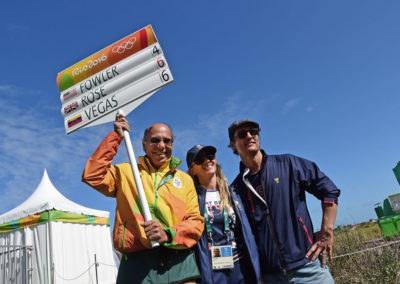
122, 75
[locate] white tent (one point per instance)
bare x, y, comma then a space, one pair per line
50, 239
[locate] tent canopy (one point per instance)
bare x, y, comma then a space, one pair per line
45, 198
50, 239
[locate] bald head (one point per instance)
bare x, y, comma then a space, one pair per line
148, 130
158, 144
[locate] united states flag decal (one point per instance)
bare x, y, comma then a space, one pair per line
70, 94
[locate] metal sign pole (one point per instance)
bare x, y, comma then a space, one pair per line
135, 170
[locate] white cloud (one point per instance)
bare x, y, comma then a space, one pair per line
289, 105
237, 106
29, 143
13, 91
213, 126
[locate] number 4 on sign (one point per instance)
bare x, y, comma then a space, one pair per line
156, 50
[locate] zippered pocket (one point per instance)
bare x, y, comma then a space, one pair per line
123, 237
305, 229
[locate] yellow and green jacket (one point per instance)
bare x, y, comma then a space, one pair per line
170, 193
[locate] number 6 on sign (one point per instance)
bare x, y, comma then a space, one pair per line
165, 76
160, 63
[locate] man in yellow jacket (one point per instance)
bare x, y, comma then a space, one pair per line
177, 224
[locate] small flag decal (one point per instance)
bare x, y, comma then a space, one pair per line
71, 107
74, 121
70, 94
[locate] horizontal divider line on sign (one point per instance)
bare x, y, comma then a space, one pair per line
114, 71
104, 110
111, 87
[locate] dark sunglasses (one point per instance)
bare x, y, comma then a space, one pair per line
157, 140
199, 160
243, 133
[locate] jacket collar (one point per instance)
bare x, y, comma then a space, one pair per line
200, 189
170, 165
242, 167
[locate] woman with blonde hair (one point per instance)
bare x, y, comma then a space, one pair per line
227, 230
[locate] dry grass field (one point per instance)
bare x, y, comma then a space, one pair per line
377, 266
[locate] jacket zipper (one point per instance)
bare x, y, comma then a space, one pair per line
155, 179
305, 229
269, 219
162, 182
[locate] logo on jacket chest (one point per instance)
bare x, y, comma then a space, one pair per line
260, 190
177, 182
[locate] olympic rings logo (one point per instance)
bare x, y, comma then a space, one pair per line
126, 45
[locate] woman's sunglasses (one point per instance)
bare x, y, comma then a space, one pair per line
200, 159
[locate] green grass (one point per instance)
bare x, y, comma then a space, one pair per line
380, 265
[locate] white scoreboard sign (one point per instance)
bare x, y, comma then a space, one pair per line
122, 75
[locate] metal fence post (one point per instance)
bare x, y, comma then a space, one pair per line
95, 267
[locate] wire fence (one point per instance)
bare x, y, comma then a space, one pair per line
367, 249
87, 270
76, 277
96, 264
16, 267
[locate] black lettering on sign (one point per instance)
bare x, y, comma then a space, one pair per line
88, 114
84, 102
99, 79
93, 96
114, 71
100, 108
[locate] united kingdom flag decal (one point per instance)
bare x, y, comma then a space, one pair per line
71, 107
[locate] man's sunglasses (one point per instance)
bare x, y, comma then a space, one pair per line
243, 133
157, 140
200, 159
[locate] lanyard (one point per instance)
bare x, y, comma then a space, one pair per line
209, 227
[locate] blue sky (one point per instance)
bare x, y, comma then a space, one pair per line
321, 78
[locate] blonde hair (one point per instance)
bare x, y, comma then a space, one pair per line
222, 185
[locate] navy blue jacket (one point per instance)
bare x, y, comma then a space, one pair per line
203, 256
285, 180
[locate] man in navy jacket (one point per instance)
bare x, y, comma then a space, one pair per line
273, 190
